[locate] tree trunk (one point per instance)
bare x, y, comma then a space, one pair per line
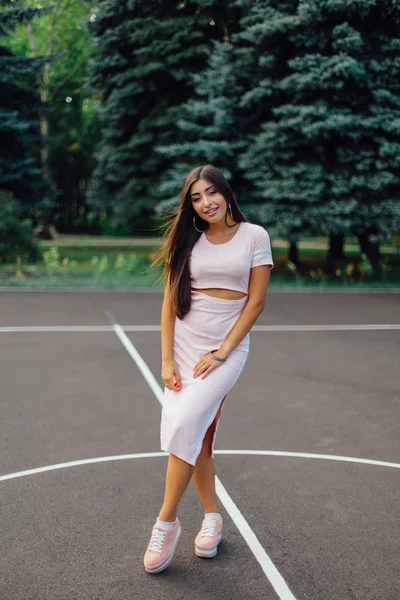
47, 230
293, 254
372, 251
335, 252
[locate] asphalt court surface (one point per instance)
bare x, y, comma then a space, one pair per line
330, 527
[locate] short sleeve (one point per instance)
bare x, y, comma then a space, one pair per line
262, 254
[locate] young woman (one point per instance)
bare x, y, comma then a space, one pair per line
217, 269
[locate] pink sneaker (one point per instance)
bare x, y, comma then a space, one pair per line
161, 548
208, 538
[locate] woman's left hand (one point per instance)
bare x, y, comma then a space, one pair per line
205, 365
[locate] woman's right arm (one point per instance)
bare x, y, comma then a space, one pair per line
169, 370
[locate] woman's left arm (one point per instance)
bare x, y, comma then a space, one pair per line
258, 287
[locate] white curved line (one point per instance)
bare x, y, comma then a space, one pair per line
271, 572
338, 458
101, 459
77, 463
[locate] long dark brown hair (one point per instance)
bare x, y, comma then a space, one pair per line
181, 236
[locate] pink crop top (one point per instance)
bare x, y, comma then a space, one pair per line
228, 265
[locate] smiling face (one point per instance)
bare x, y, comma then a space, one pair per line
208, 203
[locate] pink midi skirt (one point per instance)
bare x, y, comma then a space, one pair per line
188, 413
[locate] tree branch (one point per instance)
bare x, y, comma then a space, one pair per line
53, 20
65, 80
32, 44
31, 37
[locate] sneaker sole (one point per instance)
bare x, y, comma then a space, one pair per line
208, 553
165, 564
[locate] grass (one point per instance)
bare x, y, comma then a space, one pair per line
115, 263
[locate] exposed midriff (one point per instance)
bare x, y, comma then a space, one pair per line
221, 293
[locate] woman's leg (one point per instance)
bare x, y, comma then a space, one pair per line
178, 476
204, 471
204, 474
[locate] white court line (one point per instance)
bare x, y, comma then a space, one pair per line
275, 578
273, 289
130, 328
281, 453
334, 457
338, 327
258, 551
56, 329
78, 463
141, 327
272, 573
140, 363
262, 557
366, 327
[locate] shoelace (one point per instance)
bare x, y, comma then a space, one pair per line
157, 540
208, 527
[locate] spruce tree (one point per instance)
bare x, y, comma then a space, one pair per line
147, 52
19, 109
261, 51
328, 159
207, 128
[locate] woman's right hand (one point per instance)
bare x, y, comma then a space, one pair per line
170, 375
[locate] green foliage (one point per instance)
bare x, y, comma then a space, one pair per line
297, 101
60, 36
95, 269
16, 240
19, 126
326, 157
207, 127
146, 54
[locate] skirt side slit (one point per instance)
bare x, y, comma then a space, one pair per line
188, 413
214, 424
